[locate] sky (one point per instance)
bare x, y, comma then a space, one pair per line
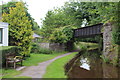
39, 8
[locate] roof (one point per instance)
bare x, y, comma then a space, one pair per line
3, 24
36, 36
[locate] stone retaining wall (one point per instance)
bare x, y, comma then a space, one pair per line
53, 46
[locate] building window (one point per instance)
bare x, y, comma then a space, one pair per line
1, 35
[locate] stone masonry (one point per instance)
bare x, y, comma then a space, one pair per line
108, 48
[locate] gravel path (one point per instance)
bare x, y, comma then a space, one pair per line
39, 70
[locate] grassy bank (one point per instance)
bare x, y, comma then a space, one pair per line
37, 58
33, 60
9, 73
87, 45
56, 68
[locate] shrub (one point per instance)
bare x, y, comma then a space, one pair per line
37, 49
83, 48
45, 51
105, 59
116, 35
7, 49
20, 28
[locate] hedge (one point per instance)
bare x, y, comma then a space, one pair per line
5, 50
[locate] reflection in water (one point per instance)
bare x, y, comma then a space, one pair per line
89, 65
84, 64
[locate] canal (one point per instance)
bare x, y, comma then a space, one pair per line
90, 65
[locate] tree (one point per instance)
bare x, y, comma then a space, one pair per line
71, 14
6, 9
62, 34
76, 14
20, 28
54, 19
0, 12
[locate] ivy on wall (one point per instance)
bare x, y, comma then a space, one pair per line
116, 30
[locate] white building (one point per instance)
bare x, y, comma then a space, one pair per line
3, 34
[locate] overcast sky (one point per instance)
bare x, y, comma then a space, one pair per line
38, 8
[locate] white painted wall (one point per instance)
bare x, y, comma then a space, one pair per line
4, 26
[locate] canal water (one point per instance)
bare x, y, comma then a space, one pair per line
89, 65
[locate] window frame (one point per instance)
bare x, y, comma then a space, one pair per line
1, 30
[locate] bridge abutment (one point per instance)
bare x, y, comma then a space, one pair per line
109, 50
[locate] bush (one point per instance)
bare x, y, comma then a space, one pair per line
116, 35
83, 48
20, 27
37, 49
45, 51
105, 59
7, 49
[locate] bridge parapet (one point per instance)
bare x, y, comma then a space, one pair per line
88, 31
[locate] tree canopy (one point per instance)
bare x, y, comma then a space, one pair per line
76, 14
6, 9
20, 28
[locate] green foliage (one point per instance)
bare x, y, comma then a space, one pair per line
99, 12
94, 39
84, 46
35, 27
62, 35
6, 9
58, 36
0, 13
109, 12
39, 50
58, 26
35, 48
105, 59
68, 31
71, 14
81, 11
116, 30
115, 61
20, 31
9, 73
45, 51
116, 35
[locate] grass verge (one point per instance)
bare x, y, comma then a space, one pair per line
9, 73
56, 68
37, 58
87, 45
